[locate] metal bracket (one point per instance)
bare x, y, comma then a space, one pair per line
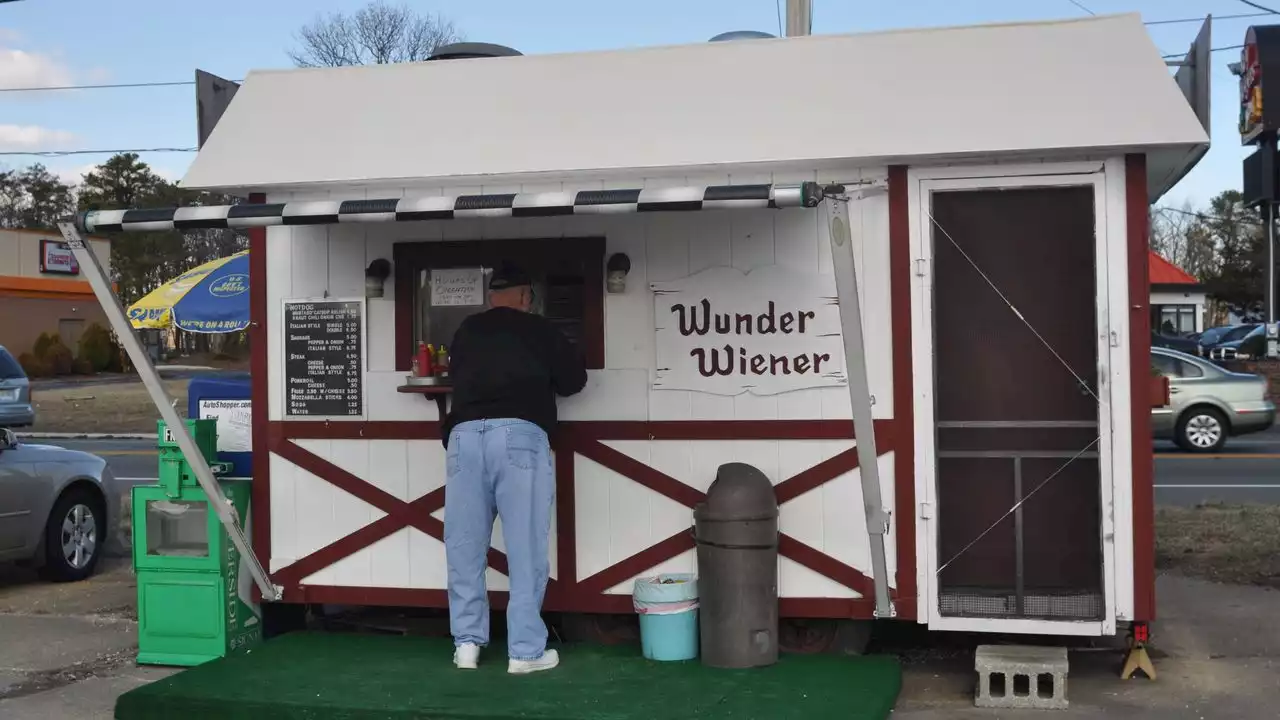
114, 311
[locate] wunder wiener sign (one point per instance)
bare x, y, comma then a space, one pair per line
769, 331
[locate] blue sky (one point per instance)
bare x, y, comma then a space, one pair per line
122, 41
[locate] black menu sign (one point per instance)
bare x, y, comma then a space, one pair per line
323, 365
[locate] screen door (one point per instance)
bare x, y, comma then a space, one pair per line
1016, 390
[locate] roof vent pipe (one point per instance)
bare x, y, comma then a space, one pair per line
465, 50
742, 35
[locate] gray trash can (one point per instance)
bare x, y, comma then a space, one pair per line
736, 529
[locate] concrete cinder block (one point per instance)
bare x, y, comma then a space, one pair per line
1025, 677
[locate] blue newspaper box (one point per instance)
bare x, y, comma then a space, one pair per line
226, 398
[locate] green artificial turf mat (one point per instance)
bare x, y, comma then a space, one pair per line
329, 676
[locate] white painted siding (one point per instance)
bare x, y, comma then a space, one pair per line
616, 517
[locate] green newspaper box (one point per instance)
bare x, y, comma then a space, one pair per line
194, 593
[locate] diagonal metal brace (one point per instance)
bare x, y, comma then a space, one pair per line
114, 311
877, 516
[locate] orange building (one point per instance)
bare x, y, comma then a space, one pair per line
42, 289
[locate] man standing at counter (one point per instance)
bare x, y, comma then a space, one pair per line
508, 364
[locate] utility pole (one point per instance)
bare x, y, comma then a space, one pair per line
799, 17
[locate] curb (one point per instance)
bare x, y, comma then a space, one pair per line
87, 436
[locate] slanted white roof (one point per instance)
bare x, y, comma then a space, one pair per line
1096, 83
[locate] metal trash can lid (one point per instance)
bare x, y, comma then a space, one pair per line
740, 492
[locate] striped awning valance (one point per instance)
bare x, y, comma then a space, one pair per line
444, 207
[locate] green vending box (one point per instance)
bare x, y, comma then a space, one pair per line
194, 593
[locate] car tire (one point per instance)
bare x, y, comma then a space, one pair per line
1201, 430
74, 535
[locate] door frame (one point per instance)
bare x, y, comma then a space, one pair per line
1111, 267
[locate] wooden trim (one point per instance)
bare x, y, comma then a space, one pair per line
820, 474
581, 431
904, 460
356, 430
1137, 229
825, 565
788, 607
576, 253
259, 398
566, 518
719, 429
640, 473
630, 567
416, 514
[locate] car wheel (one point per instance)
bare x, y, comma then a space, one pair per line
73, 536
1202, 429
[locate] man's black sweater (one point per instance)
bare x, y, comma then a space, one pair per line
508, 364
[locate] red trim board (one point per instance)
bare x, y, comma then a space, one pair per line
1144, 534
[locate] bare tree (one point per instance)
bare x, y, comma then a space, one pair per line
378, 34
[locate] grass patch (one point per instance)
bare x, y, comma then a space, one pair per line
1237, 544
113, 407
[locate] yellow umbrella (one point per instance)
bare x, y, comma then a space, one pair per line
213, 297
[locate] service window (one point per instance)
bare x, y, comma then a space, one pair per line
440, 284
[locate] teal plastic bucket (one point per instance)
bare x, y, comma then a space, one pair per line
668, 609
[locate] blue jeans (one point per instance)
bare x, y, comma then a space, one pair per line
502, 466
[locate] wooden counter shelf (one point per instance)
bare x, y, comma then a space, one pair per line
439, 392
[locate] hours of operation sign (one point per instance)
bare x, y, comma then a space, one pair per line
324, 347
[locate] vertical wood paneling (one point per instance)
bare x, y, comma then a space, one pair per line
631, 506
593, 525
668, 259
389, 558
797, 246
706, 235
347, 252
279, 287
380, 329
803, 517
284, 513
875, 277
313, 503
628, 315
542, 227
386, 403
425, 474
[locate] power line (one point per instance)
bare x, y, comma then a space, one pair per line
1252, 4
1217, 49
777, 6
110, 86
1078, 4
1216, 18
65, 153
1203, 216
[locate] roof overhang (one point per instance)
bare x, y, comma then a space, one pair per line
951, 93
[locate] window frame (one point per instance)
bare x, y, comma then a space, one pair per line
411, 256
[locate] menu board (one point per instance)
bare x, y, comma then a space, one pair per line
324, 349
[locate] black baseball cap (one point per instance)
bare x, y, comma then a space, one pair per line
507, 276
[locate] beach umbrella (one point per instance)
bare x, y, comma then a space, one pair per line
212, 298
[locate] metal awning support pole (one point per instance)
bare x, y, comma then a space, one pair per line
859, 393
222, 507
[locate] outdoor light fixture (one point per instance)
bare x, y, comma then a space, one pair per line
617, 268
374, 276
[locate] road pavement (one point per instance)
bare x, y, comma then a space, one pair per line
1247, 470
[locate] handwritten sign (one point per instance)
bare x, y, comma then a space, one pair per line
454, 287
767, 332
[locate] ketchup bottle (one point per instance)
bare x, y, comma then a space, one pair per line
423, 360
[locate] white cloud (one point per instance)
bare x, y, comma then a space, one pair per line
19, 68
73, 175
33, 137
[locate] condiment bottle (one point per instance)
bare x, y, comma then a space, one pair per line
431, 360
423, 360
442, 362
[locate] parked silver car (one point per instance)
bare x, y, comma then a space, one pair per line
15, 393
59, 508
1207, 403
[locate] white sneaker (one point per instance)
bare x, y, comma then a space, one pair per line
466, 656
549, 659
